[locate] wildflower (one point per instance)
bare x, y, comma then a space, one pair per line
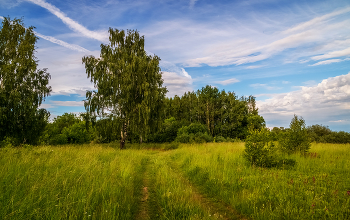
348, 192
313, 179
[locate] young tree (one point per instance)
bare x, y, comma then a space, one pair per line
128, 84
296, 138
23, 87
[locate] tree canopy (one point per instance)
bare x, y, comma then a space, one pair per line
23, 87
128, 84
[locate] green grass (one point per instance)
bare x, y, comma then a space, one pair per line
201, 181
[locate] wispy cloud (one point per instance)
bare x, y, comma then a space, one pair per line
192, 2
217, 43
327, 62
59, 42
316, 21
254, 67
228, 81
68, 103
62, 43
264, 86
338, 121
75, 26
339, 53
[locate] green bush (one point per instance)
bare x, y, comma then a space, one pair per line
193, 128
259, 149
194, 133
219, 139
9, 142
183, 138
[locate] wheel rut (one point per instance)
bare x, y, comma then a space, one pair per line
217, 208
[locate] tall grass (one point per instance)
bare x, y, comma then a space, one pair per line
171, 196
102, 182
69, 183
317, 188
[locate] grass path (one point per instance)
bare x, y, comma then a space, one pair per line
144, 203
219, 209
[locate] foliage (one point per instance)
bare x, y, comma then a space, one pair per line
23, 87
194, 133
296, 138
168, 131
221, 112
259, 149
67, 129
322, 134
128, 83
219, 139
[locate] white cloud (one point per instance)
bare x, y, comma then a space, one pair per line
326, 101
66, 69
68, 103
177, 84
228, 81
316, 21
338, 121
254, 67
339, 53
327, 62
264, 86
62, 43
233, 41
75, 26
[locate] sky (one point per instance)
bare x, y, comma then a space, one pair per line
293, 56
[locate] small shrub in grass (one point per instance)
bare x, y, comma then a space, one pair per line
219, 139
8, 142
183, 138
259, 149
296, 138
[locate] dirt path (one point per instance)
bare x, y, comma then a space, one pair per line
217, 208
144, 206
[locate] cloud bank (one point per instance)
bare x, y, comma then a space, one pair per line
329, 101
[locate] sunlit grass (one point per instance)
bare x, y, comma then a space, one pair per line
102, 182
318, 187
69, 183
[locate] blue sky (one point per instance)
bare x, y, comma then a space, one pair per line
293, 56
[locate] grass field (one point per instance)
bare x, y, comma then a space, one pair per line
203, 181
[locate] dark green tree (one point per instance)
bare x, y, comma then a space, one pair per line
128, 84
23, 87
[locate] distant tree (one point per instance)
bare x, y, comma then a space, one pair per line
67, 129
23, 87
128, 84
296, 138
317, 132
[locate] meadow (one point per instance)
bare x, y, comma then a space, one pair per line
199, 181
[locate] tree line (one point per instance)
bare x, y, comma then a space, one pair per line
128, 103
